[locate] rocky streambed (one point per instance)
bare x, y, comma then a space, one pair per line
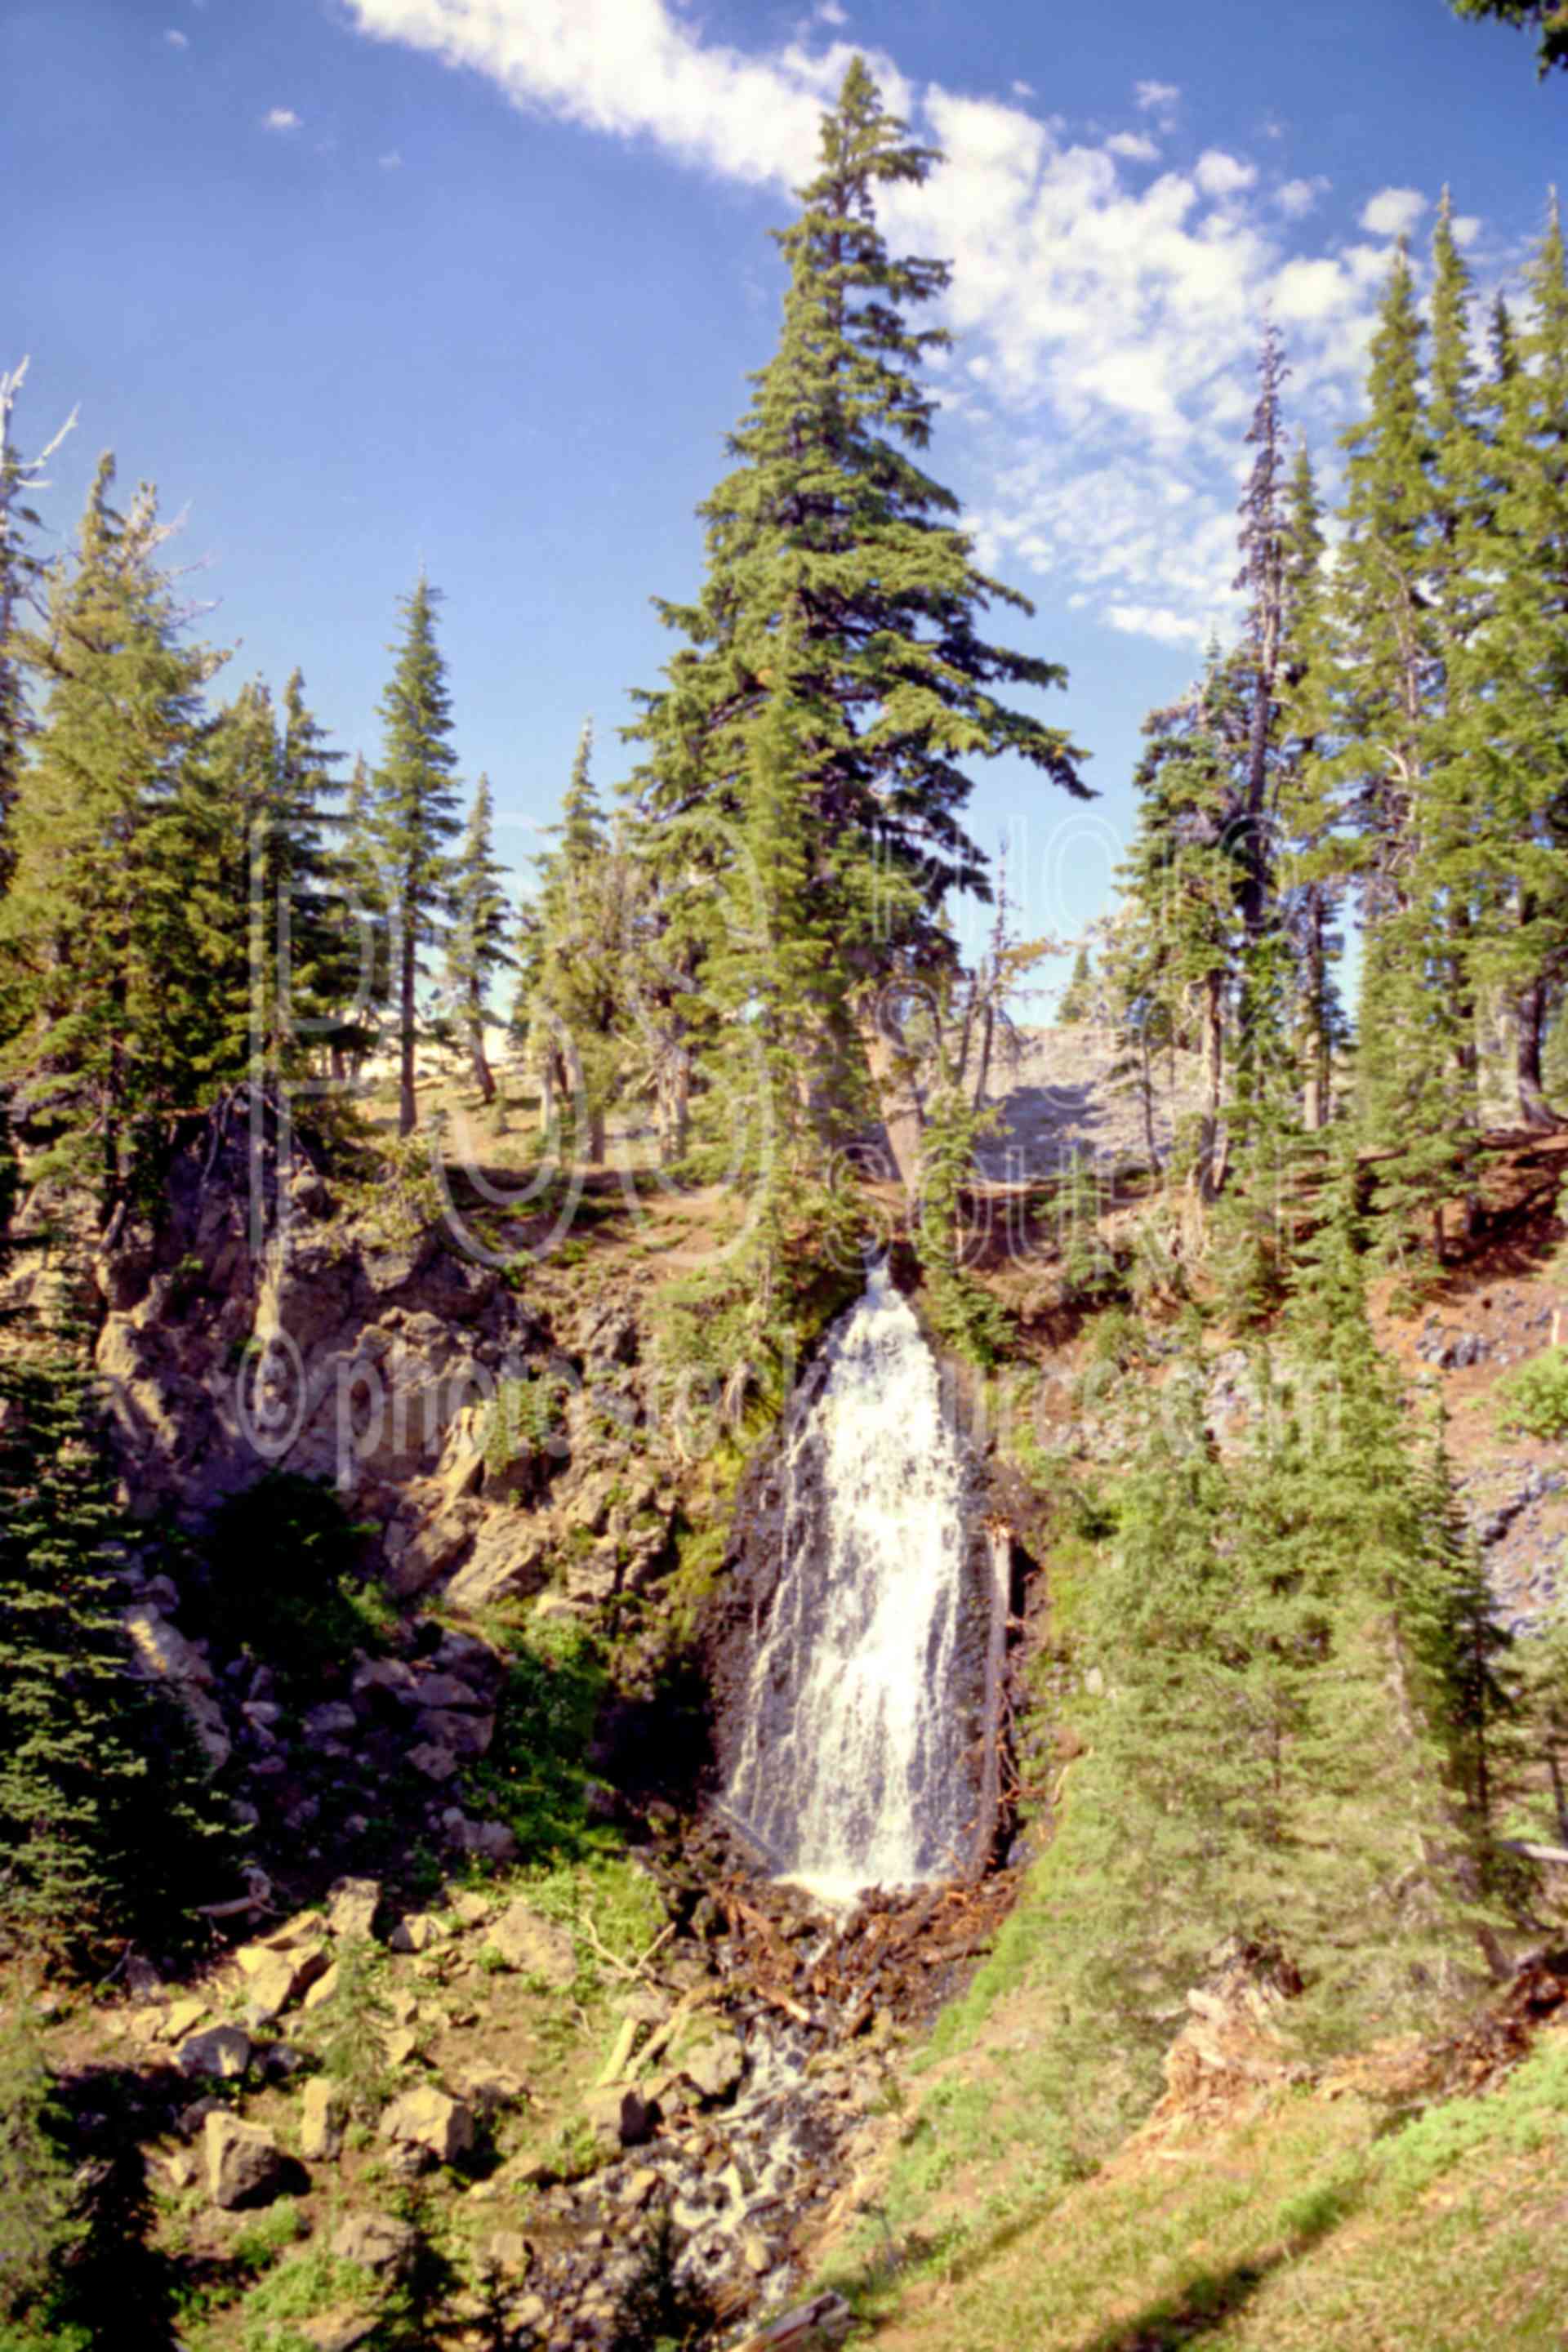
755, 2085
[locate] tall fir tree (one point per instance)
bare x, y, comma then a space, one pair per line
830, 535
415, 820
477, 949
1508, 750
96, 928
21, 577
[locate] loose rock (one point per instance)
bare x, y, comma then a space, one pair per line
536, 1945
430, 2119
245, 2164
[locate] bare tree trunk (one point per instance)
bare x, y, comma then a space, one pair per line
673, 1103
547, 1092
483, 1077
1530, 1025
596, 1135
407, 1104
1210, 1172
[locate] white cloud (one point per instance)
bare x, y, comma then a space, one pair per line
390, 162
282, 118
1393, 212
1219, 174
1156, 621
1155, 97
1022, 90
176, 39
1109, 330
1466, 229
1297, 197
828, 12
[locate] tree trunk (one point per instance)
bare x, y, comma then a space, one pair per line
483, 1077
547, 1092
673, 1103
1530, 1023
1210, 1171
595, 1124
407, 1106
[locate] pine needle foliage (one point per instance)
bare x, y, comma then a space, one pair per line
107, 1826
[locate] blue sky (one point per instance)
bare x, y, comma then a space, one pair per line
363, 284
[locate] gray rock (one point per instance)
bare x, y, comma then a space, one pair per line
715, 2066
430, 2118
377, 2242
445, 1691
335, 1719
245, 2164
618, 2117
352, 1905
460, 1735
438, 1764
536, 1945
417, 1933
322, 2121
220, 2050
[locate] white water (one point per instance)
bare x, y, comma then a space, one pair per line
850, 1773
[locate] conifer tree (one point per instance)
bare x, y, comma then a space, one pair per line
1312, 865
20, 576
1077, 997
1506, 752
829, 532
476, 946
415, 818
575, 965
105, 1817
96, 927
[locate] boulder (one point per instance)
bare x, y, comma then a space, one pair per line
323, 1989
417, 1933
536, 1945
274, 1978
618, 2117
506, 2251
488, 2089
352, 1907
493, 1840
321, 2121
714, 2065
338, 2330
446, 1691
184, 2018
245, 2164
430, 2119
435, 1763
334, 1720
377, 2242
460, 1735
220, 2050
508, 1561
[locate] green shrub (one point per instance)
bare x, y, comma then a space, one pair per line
353, 2052
535, 1776
1533, 1396
285, 1579
37, 2218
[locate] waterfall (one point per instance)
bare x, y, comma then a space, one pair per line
850, 1771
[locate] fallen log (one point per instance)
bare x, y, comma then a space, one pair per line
1534, 1853
825, 2315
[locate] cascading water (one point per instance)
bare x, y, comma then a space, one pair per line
851, 1769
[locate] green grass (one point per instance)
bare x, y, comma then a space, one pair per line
1301, 2230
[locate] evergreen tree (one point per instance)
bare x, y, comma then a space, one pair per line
576, 963
1507, 750
1548, 19
476, 946
830, 535
1312, 864
1077, 997
96, 929
104, 1816
415, 818
21, 574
